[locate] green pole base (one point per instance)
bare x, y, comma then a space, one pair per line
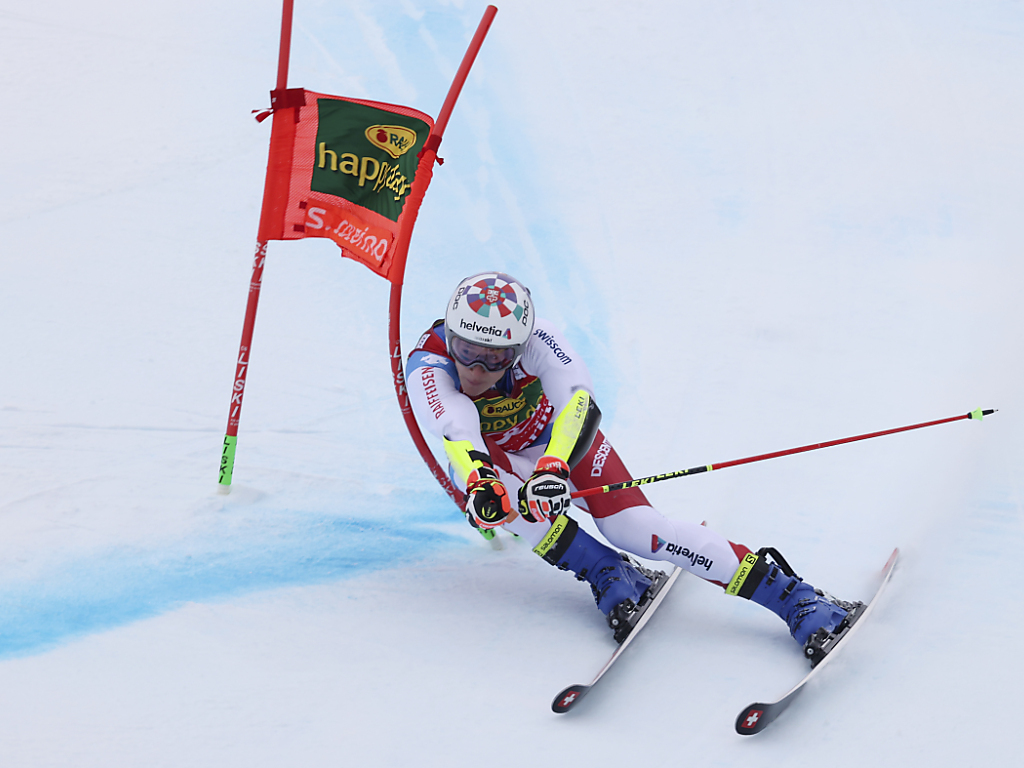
227, 464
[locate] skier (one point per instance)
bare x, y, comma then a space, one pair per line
514, 406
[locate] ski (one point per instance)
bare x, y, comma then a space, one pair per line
572, 695
758, 716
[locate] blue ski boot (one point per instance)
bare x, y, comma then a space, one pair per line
619, 585
812, 616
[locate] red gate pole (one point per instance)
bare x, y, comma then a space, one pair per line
227, 458
424, 172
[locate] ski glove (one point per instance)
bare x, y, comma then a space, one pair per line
487, 504
546, 493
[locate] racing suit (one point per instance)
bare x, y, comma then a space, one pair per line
514, 423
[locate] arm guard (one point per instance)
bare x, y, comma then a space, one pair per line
574, 429
465, 459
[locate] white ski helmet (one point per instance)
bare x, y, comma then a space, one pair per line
491, 310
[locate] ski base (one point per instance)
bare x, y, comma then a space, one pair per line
758, 716
571, 696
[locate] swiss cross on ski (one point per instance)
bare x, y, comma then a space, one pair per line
752, 718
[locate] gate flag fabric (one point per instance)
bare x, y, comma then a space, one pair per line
343, 169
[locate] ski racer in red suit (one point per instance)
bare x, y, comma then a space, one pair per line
515, 407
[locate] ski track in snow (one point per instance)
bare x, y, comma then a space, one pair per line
763, 225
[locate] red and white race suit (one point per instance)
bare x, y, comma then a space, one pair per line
512, 423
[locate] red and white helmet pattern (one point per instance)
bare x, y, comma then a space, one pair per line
490, 309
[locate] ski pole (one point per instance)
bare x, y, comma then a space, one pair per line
976, 414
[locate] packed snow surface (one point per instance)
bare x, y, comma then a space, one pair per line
764, 224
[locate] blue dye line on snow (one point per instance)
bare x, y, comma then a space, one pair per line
123, 585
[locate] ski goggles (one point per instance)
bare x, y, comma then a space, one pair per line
492, 358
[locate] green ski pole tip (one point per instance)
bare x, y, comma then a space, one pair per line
980, 414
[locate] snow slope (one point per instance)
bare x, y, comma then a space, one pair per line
764, 225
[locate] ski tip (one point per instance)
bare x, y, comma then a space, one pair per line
753, 719
568, 698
